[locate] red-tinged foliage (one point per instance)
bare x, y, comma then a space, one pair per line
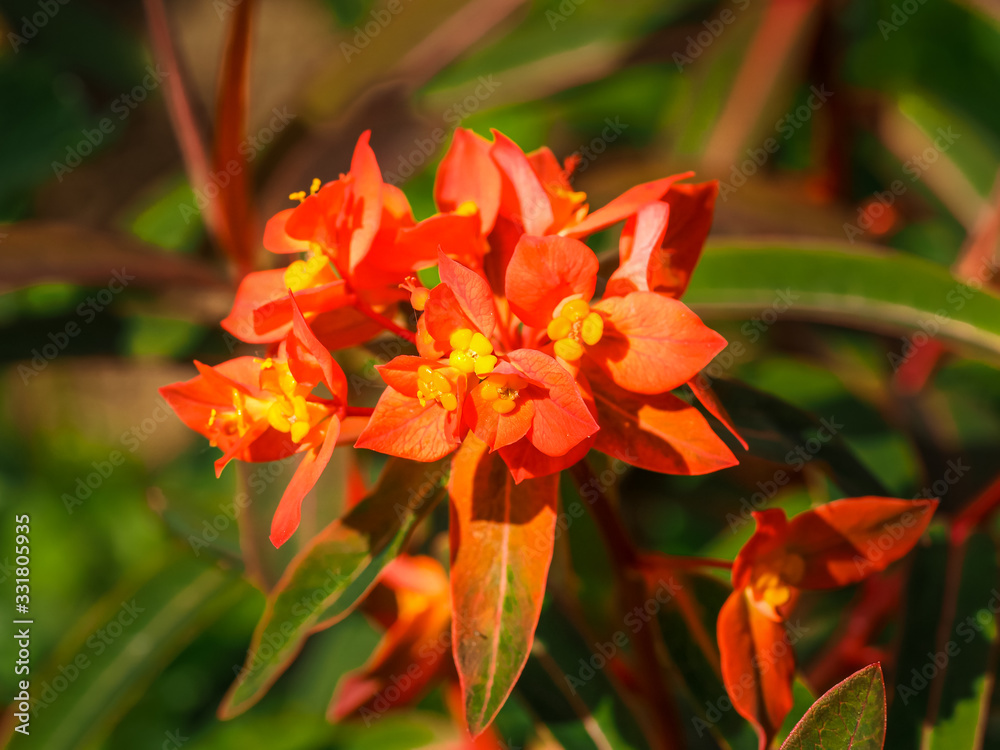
502, 536
758, 664
833, 545
661, 244
660, 433
414, 650
413, 423
265, 409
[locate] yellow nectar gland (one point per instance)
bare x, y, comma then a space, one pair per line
432, 385
575, 325
773, 579
289, 411
301, 274
471, 352
502, 391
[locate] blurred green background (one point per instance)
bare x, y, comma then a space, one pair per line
807, 111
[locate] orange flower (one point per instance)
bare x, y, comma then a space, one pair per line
834, 545
257, 409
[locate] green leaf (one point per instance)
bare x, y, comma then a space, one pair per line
777, 431
134, 636
944, 681
851, 285
566, 685
330, 576
851, 714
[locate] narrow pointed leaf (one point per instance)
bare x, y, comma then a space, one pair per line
329, 577
851, 285
502, 537
851, 715
154, 622
776, 430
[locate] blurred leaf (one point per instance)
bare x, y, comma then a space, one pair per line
140, 633
846, 285
33, 252
851, 714
161, 223
565, 684
780, 432
687, 623
943, 674
229, 155
328, 578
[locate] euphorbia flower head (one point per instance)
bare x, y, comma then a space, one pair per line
360, 241
264, 409
834, 545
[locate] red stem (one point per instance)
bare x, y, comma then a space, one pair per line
386, 322
632, 593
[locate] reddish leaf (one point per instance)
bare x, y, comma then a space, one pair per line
624, 205
289, 512
758, 665
502, 537
523, 196
658, 433
414, 649
642, 235
707, 397
467, 173
238, 232
543, 271
651, 343
847, 540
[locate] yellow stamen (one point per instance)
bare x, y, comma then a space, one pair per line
501, 391
575, 325
433, 385
471, 352
467, 208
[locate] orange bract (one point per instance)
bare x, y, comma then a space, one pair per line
834, 545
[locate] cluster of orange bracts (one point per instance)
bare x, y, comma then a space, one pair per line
511, 344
